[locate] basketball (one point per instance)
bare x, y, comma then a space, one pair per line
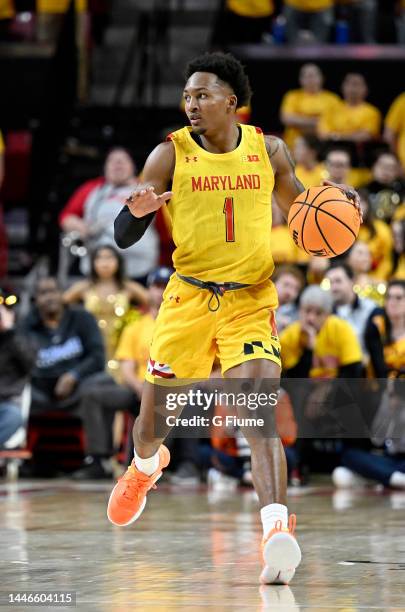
323, 222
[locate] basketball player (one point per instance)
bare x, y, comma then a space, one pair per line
221, 299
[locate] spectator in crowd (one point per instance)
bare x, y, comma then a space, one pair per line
377, 235
3, 238
394, 126
16, 360
398, 233
313, 15
102, 401
347, 304
337, 165
289, 282
360, 261
108, 295
316, 269
69, 349
91, 211
386, 188
385, 340
301, 108
242, 22
319, 344
309, 170
385, 334
352, 119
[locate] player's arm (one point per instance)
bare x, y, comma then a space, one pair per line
286, 185
148, 196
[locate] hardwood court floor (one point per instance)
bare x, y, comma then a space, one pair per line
194, 550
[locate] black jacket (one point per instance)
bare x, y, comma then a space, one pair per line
16, 361
76, 346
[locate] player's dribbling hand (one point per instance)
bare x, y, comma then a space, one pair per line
350, 193
144, 200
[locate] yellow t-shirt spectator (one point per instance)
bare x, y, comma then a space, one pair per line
251, 8
1, 144
7, 10
345, 119
310, 5
381, 246
59, 6
311, 178
301, 102
336, 345
395, 121
135, 342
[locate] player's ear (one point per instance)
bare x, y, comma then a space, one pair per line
232, 103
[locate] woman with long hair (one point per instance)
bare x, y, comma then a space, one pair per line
377, 235
108, 295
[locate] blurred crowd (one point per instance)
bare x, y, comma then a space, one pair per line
295, 22
81, 345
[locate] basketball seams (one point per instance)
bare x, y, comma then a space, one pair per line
310, 205
293, 224
326, 212
298, 211
319, 228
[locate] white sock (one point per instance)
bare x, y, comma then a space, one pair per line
397, 480
148, 465
272, 513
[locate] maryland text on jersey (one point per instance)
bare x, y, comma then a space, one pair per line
223, 183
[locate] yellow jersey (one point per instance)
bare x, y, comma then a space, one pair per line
395, 121
310, 5
336, 345
135, 342
221, 209
381, 246
345, 119
251, 8
1, 144
311, 178
60, 6
301, 102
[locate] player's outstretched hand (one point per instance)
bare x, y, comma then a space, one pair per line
351, 194
144, 200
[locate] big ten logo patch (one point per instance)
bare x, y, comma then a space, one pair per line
250, 158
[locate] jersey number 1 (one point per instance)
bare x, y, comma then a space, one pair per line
229, 220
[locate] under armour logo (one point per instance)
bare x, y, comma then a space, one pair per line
190, 159
175, 298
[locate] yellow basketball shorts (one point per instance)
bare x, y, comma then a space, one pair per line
188, 336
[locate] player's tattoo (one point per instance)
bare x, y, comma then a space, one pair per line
288, 156
272, 145
290, 160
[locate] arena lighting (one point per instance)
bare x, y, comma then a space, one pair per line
8, 300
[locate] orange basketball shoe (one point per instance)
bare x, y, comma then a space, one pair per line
128, 497
281, 554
